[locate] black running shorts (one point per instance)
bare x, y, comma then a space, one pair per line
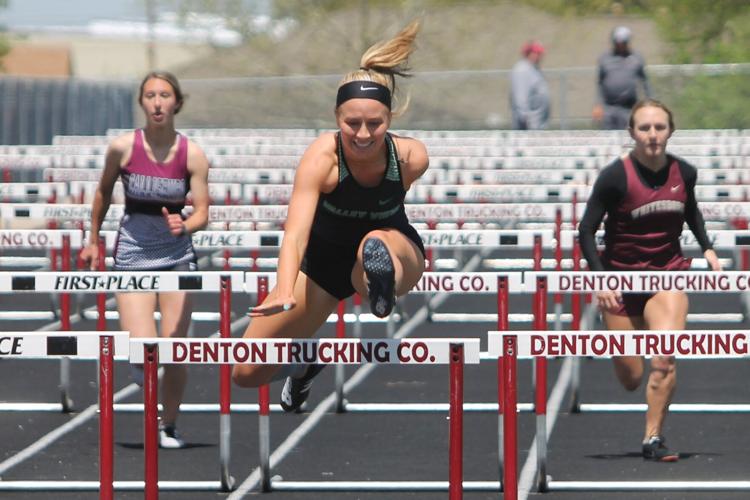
329, 264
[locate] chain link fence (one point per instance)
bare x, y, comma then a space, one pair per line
33, 110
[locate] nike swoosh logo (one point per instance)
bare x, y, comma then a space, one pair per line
362, 87
384, 202
675, 188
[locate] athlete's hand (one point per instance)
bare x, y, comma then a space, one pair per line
609, 300
90, 255
713, 260
174, 222
271, 307
597, 114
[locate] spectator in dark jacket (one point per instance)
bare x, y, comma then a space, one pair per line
619, 71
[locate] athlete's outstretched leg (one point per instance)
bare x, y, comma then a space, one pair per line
314, 305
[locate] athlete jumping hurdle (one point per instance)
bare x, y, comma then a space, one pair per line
347, 228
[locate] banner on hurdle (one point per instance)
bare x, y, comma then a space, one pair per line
240, 240
449, 212
606, 343
118, 281
38, 238
80, 345
323, 351
463, 238
430, 282
721, 239
641, 281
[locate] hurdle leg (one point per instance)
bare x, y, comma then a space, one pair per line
106, 414
510, 420
339, 375
225, 375
456, 439
264, 437
65, 399
151, 421
540, 403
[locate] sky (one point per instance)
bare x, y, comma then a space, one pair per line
75, 12
68, 12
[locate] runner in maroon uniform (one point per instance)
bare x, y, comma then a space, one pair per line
647, 196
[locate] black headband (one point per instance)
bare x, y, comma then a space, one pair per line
363, 89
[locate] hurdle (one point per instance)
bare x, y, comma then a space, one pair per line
98, 282
606, 343
507, 347
689, 281
102, 346
454, 352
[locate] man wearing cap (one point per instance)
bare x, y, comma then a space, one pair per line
529, 94
619, 71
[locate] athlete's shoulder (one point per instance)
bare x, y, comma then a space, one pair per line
122, 144
614, 168
325, 144
409, 145
413, 157
687, 170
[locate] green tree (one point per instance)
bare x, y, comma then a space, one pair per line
699, 32
710, 33
4, 43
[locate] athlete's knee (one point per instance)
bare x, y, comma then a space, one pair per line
247, 376
630, 382
662, 368
629, 372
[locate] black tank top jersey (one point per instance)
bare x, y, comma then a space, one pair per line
346, 214
646, 212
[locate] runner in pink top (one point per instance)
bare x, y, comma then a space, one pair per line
158, 167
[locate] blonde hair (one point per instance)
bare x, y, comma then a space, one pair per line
382, 62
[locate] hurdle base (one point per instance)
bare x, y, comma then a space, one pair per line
673, 408
118, 486
381, 486
648, 485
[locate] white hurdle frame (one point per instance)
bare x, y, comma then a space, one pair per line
633, 281
223, 282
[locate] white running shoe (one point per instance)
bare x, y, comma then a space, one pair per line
169, 438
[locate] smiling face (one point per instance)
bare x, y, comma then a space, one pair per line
363, 124
159, 102
650, 130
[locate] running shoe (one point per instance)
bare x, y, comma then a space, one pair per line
296, 390
169, 438
381, 281
656, 449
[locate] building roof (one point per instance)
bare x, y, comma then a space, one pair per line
26, 59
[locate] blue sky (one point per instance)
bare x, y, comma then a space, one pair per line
68, 12
77, 12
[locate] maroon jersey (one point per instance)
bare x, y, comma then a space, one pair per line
644, 231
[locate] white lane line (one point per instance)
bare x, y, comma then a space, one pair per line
253, 480
528, 473
86, 414
59, 432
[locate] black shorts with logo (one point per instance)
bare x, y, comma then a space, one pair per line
329, 264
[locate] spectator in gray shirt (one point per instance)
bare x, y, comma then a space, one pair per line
619, 72
529, 93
